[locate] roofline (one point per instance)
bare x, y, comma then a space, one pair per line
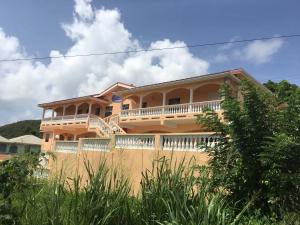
129, 86
181, 81
90, 97
69, 100
250, 77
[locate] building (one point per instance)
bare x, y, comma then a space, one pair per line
22, 144
130, 126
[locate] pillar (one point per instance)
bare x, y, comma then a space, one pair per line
44, 111
164, 102
52, 114
90, 108
76, 110
191, 98
141, 104
64, 110
141, 101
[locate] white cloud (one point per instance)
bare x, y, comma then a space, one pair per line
24, 84
256, 52
262, 51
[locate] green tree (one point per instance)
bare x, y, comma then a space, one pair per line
258, 155
13, 178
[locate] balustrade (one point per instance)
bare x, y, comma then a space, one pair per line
95, 144
97, 122
135, 141
196, 142
172, 109
71, 146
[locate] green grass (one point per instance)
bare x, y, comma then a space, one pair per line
171, 193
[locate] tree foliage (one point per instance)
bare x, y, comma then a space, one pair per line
21, 128
258, 155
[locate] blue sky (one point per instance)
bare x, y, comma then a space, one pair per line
35, 28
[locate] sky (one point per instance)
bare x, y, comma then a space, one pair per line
36, 28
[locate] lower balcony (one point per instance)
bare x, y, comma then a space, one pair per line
195, 142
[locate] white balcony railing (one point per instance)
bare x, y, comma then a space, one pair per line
196, 107
95, 144
69, 146
187, 142
67, 118
98, 123
135, 142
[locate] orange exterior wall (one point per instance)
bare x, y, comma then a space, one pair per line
130, 163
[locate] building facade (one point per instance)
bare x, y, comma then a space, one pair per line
130, 126
19, 145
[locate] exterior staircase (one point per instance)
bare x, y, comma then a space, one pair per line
105, 127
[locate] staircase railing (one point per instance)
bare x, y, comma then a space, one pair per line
98, 123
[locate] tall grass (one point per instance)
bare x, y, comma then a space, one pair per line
171, 193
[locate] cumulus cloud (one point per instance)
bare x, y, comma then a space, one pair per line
262, 51
24, 84
256, 52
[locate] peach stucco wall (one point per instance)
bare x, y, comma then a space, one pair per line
130, 163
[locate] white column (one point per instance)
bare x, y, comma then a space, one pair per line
90, 108
164, 102
141, 101
44, 111
76, 110
191, 98
141, 104
64, 110
52, 114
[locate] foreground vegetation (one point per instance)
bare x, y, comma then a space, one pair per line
253, 177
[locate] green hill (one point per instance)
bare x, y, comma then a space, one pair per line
21, 128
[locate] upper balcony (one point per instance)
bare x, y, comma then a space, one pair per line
70, 113
171, 104
170, 111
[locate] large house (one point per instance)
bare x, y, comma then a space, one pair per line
130, 126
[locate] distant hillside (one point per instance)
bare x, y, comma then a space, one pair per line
21, 128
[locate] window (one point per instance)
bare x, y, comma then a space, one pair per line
13, 149
125, 106
174, 101
97, 111
144, 105
3, 148
108, 111
116, 98
27, 148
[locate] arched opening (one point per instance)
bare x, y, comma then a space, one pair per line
131, 102
48, 113
66, 137
70, 110
83, 109
208, 92
59, 111
152, 100
97, 110
178, 96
